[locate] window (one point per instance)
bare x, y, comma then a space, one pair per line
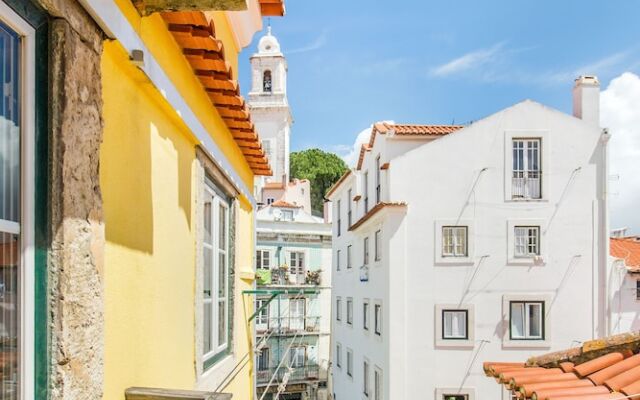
338, 260
297, 356
338, 309
454, 241
216, 275
263, 259
376, 246
266, 146
338, 355
267, 85
638, 290
377, 384
287, 215
365, 248
377, 313
365, 315
527, 241
365, 378
339, 211
526, 173
270, 200
263, 359
455, 397
297, 314
350, 311
349, 201
262, 318
527, 320
378, 180
365, 189
454, 324
350, 362
349, 257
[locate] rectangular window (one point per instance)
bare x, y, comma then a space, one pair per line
365, 190
297, 267
349, 201
454, 241
339, 213
365, 248
338, 309
338, 260
215, 245
270, 200
350, 311
338, 355
527, 320
297, 356
377, 245
365, 315
350, 362
365, 378
349, 265
263, 359
287, 215
263, 259
526, 171
527, 241
297, 314
638, 290
377, 311
377, 384
454, 324
455, 397
262, 318
377, 179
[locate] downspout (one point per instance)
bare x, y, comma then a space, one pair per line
604, 236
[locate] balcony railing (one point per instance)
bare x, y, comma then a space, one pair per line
297, 374
289, 325
526, 187
284, 277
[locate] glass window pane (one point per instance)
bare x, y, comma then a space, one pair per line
222, 275
222, 230
535, 320
208, 268
517, 320
222, 322
207, 221
206, 325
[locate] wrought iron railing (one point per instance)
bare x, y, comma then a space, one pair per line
296, 374
526, 187
285, 325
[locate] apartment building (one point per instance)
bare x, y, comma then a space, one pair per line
455, 244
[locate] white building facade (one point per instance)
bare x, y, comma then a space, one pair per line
458, 244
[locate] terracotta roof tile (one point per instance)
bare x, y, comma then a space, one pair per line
274, 185
284, 204
627, 249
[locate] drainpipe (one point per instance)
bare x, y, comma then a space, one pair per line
604, 236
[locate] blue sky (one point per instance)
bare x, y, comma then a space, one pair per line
353, 62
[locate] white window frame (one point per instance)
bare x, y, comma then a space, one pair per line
298, 356
526, 307
527, 241
455, 241
349, 261
338, 308
544, 165
377, 245
350, 311
526, 181
287, 215
338, 355
515, 260
377, 318
366, 310
350, 363
25, 228
260, 258
441, 259
441, 340
260, 356
297, 314
338, 253
442, 392
507, 340
366, 377
365, 250
262, 317
377, 383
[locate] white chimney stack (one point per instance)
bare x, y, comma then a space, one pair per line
586, 99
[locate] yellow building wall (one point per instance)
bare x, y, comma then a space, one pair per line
147, 178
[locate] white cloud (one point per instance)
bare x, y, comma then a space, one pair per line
620, 112
469, 61
350, 153
318, 43
599, 67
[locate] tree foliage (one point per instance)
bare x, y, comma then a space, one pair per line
322, 169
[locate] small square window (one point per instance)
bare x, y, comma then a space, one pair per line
527, 241
527, 320
454, 241
263, 259
455, 324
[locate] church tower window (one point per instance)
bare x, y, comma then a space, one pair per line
266, 82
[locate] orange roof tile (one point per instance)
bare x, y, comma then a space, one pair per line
600, 369
375, 210
627, 249
272, 8
284, 204
274, 185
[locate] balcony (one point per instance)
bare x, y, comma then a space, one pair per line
283, 277
310, 372
289, 325
526, 187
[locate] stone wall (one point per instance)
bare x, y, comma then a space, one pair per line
75, 260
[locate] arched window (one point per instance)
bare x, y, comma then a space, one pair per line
266, 82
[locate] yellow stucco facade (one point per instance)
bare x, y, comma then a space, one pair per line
150, 183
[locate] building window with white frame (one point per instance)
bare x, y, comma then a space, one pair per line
338, 309
287, 215
263, 259
338, 355
297, 356
338, 260
365, 190
350, 362
365, 251
365, 378
349, 265
455, 242
526, 320
365, 314
448, 396
526, 171
215, 244
350, 311
377, 384
339, 214
349, 202
377, 245
297, 267
263, 359
377, 316
455, 324
262, 316
527, 241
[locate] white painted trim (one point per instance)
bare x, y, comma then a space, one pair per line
27, 133
440, 341
545, 144
526, 261
439, 259
507, 342
116, 26
9, 227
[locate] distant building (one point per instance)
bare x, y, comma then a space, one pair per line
624, 284
455, 244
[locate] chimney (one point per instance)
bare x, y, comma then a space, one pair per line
586, 99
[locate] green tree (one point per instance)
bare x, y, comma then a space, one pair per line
322, 169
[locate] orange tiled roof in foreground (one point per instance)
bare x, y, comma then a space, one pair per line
601, 369
284, 204
196, 35
404, 130
627, 249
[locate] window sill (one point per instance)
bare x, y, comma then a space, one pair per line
526, 262
542, 200
526, 344
455, 343
454, 261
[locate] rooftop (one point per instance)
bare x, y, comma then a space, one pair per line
627, 249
